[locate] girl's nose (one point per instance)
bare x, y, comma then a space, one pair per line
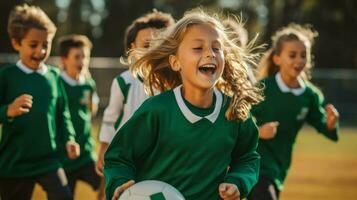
210, 53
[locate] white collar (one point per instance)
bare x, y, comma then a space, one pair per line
192, 117
71, 81
284, 88
41, 70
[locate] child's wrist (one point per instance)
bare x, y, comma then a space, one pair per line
9, 113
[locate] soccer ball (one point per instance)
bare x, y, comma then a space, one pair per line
151, 190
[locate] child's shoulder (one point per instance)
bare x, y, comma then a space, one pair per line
160, 102
53, 69
126, 76
90, 81
312, 89
8, 68
268, 80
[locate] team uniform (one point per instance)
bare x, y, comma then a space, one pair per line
291, 108
126, 95
171, 140
28, 150
81, 94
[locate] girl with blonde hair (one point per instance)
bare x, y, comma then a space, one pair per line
199, 125
290, 101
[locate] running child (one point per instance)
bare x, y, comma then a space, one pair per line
32, 104
83, 100
290, 101
127, 92
199, 125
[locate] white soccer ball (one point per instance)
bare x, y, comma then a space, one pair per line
151, 190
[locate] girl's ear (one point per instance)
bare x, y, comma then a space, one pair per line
174, 63
276, 59
15, 44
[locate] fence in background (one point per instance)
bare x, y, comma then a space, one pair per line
338, 85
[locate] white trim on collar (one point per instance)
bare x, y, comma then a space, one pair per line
284, 88
192, 117
71, 81
41, 70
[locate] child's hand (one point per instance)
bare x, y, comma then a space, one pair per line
332, 116
229, 191
20, 106
121, 189
100, 162
73, 150
268, 130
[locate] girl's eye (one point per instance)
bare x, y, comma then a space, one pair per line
216, 49
197, 48
33, 46
292, 56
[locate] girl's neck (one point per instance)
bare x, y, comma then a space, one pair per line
291, 82
198, 98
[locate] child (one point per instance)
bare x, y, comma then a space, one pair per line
290, 101
127, 92
31, 101
189, 135
83, 102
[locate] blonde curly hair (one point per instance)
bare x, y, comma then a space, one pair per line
292, 32
154, 67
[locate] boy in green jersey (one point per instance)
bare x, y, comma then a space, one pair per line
290, 101
32, 104
83, 103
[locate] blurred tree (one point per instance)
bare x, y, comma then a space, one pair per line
120, 15
104, 21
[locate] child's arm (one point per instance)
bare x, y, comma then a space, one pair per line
21, 105
268, 130
323, 117
94, 99
244, 167
121, 189
332, 117
111, 113
133, 141
63, 120
94, 103
229, 191
100, 162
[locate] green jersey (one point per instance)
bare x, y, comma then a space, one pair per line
291, 108
80, 98
170, 140
28, 145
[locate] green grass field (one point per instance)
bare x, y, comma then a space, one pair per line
321, 169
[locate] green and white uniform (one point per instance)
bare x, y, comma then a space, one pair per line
28, 142
291, 108
169, 139
81, 94
126, 95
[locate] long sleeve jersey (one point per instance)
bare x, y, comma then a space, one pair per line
28, 142
126, 95
169, 139
291, 108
